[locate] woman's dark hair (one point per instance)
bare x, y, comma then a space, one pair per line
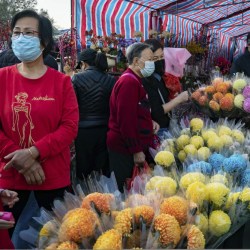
154, 44
44, 28
94, 58
135, 50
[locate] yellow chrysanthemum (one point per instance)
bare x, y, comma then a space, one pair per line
203, 153
219, 178
182, 141
101, 201
224, 130
48, 228
219, 223
215, 143
201, 222
111, 239
123, 221
245, 196
217, 193
145, 212
207, 134
177, 207
190, 178
197, 141
196, 124
169, 229
165, 185
182, 156
68, 245
239, 84
78, 224
195, 238
227, 140
238, 100
238, 135
197, 192
164, 158
232, 199
190, 149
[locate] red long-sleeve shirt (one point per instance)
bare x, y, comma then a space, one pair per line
41, 112
130, 123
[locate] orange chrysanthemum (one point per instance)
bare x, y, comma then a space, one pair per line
214, 105
111, 239
226, 103
217, 81
222, 87
101, 201
78, 224
217, 96
195, 238
210, 89
169, 229
123, 221
229, 95
145, 212
196, 95
177, 207
68, 245
203, 100
52, 246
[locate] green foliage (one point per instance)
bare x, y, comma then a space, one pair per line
8, 8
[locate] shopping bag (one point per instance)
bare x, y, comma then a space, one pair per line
137, 171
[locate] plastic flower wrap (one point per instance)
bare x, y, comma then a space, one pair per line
111, 239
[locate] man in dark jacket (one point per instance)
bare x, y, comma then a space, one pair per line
8, 58
242, 64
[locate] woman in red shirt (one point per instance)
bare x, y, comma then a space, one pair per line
130, 124
38, 117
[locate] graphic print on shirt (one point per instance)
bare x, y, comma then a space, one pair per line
22, 121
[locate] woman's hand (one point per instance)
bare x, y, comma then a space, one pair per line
182, 97
156, 127
4, 224
34, 175
139, 158
8, 197
21, 159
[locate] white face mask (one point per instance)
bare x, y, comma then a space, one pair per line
148, 69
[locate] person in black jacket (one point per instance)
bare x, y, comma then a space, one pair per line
242, 64
93, 89
156, 89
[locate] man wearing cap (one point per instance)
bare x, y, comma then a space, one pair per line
242, 64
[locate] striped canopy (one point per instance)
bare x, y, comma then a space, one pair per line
227, 20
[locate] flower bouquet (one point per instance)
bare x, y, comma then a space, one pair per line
217, 100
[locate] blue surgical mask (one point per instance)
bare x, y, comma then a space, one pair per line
148, 69
26, 49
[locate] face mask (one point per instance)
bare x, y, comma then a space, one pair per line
26, 49
160, 67
149, 69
